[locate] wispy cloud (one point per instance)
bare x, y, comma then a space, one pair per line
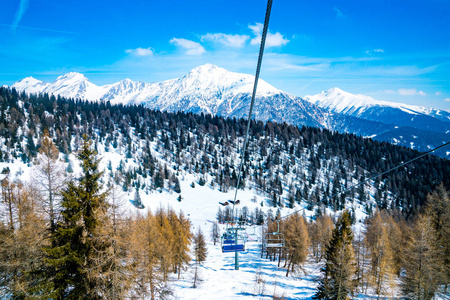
140, 51
447, 99
410, 92
23, 6
370, 52
272, 39
192, 48
230, 40
438, 93
338, 13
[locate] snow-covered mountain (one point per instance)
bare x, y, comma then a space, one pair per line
30, 85
213, 90
206, 89
364, 107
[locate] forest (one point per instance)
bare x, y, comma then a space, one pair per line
64, 235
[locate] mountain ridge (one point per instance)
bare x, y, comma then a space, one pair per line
210, 89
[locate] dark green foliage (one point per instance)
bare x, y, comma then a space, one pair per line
176, 187
208, 142
78, 240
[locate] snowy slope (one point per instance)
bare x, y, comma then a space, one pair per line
341, 101
30, 85
361, 106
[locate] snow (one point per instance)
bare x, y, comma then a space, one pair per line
222, 281
203, 82
30, 85
340, 101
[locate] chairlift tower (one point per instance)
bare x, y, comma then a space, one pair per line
233, 241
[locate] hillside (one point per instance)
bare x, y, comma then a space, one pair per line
285, 164
188, 162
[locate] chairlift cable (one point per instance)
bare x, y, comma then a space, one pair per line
255, 85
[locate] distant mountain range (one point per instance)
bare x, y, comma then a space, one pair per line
212, 90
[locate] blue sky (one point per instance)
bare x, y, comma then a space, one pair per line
397, 50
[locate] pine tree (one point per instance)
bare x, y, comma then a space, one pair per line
77, 254
338, 272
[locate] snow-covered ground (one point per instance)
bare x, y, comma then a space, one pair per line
222, 281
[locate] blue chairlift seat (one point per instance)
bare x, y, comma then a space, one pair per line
229, 243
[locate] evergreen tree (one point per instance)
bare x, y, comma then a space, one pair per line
76, 256
338, 272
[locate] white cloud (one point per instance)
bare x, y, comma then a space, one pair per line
447, 99
272, 39
230, 40
193, 48
257, 28
410, 92
140, 51
374, 51
438, 93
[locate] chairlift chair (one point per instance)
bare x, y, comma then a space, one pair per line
232, 241
274, 239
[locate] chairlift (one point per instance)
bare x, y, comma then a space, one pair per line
233, 241
274, 239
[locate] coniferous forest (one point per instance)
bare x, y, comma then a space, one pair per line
65, 236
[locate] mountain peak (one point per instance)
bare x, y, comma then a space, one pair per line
30, 85
30, 80
72, 76
335, 91
206, 68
